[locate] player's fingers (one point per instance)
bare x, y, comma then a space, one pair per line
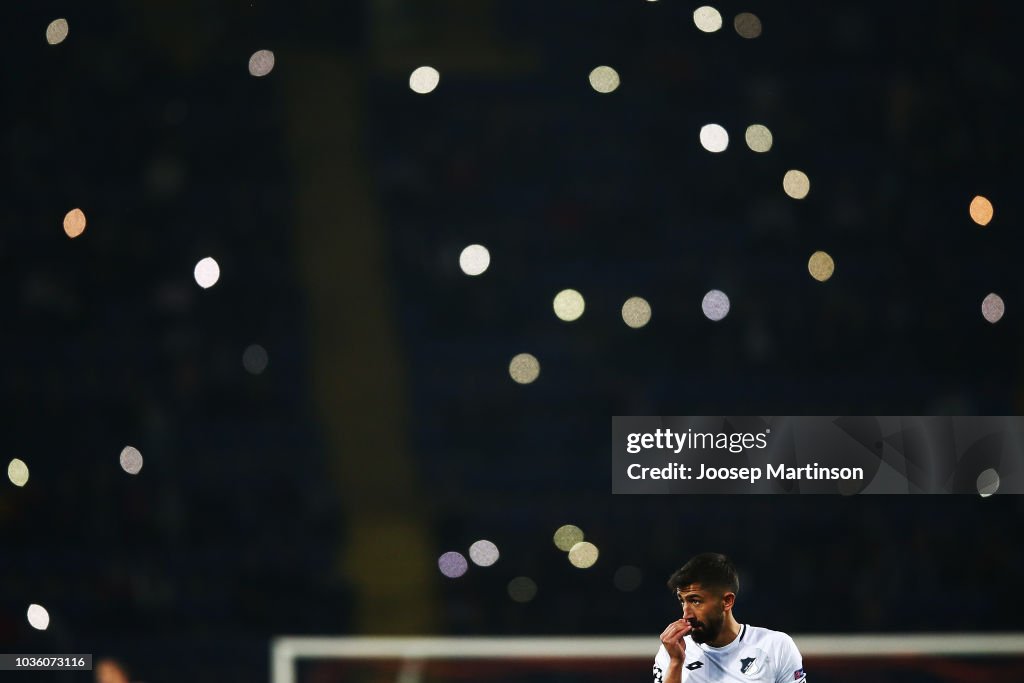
680, 624
672, 631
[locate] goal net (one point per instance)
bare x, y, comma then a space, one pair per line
879, 658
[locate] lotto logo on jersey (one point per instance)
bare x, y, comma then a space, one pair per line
798, 674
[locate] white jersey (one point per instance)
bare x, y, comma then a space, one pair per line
757, 654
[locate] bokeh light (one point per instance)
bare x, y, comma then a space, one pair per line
747, 25
261, 63
474, 259
988, 482
109, 670
796, 184
583, 555
714, 138
424, 79
604, 79
524, 368
254, 359
483, 553
758, 137
569, 305
821, 266
636, 312
74, 223
38, 617
452, 564
981, 210
17, 472
566, 536
707, 19
207, 272
993, 308
628, 578
131, 460
715, 305
57, 31
522, 589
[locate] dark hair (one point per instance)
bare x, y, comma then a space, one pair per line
710, 570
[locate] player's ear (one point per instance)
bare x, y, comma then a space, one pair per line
728, 600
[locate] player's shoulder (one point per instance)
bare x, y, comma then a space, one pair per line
767, 636
774, 649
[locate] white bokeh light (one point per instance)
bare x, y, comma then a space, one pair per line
758, 137
796, 184
993, 308
424, 80
707, 19
261, 63
714, 138
636, 312
583, 555
569, 305
988, 482
483, 553
131, 460
524, 368
604, 79
57, 31
207, 273
715, 305
38, 617
474, 259
821, 266
17, 472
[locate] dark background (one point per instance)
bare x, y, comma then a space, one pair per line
315, 498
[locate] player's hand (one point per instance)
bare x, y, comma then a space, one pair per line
672, 638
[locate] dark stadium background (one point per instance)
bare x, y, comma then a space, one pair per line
316, 497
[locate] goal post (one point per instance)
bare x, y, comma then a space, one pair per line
409, 656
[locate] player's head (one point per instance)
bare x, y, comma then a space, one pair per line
706, 587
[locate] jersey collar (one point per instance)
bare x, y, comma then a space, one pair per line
730, 646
